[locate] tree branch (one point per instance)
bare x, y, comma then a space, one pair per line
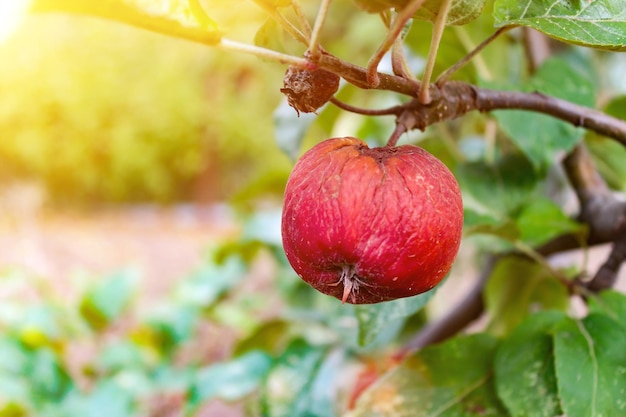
456, 98
599, 208
468, 310
607, 275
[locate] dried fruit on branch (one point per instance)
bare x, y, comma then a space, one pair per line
308, 90
367, 225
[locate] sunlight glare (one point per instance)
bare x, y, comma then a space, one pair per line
11, 15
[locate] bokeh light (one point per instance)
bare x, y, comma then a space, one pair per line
11, 15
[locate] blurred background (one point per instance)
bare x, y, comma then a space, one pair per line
141, 179
126, 157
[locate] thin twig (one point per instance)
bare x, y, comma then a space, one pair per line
399, 65
536, 48
231, 45
445, 76
314, 42
283, 21
302, 21
396, 29
438, 28
390, 111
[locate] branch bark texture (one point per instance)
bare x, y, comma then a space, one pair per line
454, 99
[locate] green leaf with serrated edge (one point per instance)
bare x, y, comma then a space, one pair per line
375, 318
231, 380
177, 18
501, 189
542, 220
516, 288
461, 11
611, 303
590, 363
452, 379
594, 23
524, 368
540, 136
293, 386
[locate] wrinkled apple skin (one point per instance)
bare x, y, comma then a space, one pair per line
367, 225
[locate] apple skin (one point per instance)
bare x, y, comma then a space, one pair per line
367, 225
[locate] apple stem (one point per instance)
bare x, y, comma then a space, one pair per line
403, 125
350, 282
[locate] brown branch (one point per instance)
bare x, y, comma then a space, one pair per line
468, 310
488, 100
607, 275
599, 208
390, 111
536, 47
455, 98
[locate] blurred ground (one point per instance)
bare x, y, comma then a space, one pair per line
163, 244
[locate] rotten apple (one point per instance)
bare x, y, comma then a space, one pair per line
367, 225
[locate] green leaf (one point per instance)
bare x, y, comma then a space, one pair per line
301, 383
178, 18
542, 220
617, 107
500, 189
270, 337
590, 364
40, 326
610, 155
107, 398
524, 368
108, 299
516, 288
595, 23
47, 376
373, 319
540, 137
611, 303
477, 223
461, 11
452, 379
231, 380
211, 281
270, 36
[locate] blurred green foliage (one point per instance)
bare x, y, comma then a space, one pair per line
100, 112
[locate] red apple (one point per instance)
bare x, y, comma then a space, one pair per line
367, 225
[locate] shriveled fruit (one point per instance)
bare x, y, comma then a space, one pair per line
367, 225
309, 89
